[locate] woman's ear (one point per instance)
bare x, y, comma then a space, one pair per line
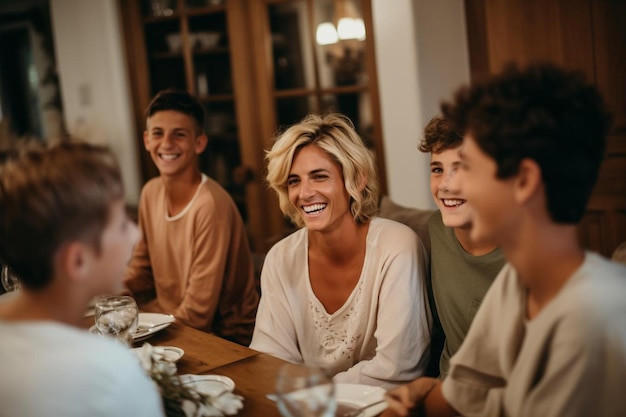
528, 181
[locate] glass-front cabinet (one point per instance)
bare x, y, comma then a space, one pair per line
257, 66
187, 45
318, 60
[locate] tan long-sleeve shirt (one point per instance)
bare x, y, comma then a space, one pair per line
198, 263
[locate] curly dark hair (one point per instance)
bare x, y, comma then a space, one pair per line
439, 136
544, 113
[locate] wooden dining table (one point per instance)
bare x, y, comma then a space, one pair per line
254, 373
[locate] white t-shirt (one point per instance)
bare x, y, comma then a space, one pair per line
51, 369
380, 336
569, 360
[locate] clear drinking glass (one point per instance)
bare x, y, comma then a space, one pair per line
304, 391
9, 280
117, 316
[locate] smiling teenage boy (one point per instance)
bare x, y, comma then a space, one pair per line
550, 336
65, 234
193, 260
461, 270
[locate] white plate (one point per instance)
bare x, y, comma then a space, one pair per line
356, 395
209, 384
149, 324
170, 353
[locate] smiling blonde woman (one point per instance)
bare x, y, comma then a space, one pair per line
346, 292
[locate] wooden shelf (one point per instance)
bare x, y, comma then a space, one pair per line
219, 50
166, 55
201, 11
148, 20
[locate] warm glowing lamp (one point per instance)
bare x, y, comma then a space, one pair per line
351, 28
326, 34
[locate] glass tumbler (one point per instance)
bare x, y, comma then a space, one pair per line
304, 391
117, 316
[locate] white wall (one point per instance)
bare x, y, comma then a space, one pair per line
94, 82
421, 54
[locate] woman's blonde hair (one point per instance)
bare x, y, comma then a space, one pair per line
334, 134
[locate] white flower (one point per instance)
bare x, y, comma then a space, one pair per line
144, 354
164, 368
224, 404
228, 403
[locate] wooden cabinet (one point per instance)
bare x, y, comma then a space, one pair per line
587, 35
257, 66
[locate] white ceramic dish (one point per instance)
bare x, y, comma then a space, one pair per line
149, 324
209, 384
170, 353
357, 396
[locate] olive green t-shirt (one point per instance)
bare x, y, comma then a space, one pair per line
459, 282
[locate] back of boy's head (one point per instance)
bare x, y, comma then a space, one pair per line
180, 101
544, 113
50, 196
439, 136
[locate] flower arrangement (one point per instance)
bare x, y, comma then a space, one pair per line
180, 399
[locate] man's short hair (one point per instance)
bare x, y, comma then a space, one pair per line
180, 101
52, 195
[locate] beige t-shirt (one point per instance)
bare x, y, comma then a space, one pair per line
570, 360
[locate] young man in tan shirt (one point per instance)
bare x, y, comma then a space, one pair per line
193, 260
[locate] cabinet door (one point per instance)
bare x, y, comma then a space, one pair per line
316, 56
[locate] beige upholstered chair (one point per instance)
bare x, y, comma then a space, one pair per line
416, 219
